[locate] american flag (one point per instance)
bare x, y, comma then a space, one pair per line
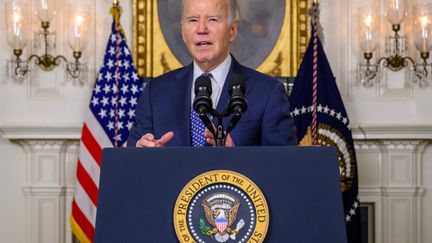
110, 116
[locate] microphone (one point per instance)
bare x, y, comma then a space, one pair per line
237, 88
237, 103
202, 103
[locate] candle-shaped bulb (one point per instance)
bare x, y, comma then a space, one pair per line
16, 22
424, 21
78, 31
16, 18
368, 21
78, 25
422, 27
368, 29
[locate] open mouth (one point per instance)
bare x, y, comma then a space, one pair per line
203, 43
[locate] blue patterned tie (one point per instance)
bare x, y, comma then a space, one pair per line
197, 130
197, 126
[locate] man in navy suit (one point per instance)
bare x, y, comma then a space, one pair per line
163, 115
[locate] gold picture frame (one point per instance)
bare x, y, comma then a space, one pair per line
153, 56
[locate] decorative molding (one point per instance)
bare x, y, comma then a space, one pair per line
392, 132
52, 87
395, 84
47, 190
391, 191
45, 144
41, 132
403, 191
367, 145
73, 146
376, 191
401, 145
400, 169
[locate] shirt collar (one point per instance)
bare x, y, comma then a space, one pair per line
219, 74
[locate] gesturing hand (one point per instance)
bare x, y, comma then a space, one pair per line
148, 140
229, 142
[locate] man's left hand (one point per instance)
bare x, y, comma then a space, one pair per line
229, 142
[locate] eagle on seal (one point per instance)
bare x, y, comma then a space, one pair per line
221, 219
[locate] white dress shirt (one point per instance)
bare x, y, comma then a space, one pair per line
218, 77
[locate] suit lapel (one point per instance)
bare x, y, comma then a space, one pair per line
180, 95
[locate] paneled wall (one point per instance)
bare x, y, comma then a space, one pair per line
391, 168
40, 122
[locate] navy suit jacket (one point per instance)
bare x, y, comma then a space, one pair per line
165, 105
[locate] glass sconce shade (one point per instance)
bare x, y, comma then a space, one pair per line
369, 73
423, 27
78, 30
45, 9
16, 21
395, 11
368, 29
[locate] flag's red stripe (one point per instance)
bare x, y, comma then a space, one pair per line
82, 221
87, 183
92, 145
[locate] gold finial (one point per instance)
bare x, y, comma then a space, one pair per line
116, 12
316, 1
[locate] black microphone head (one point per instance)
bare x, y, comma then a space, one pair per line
203, 82
202, 102
237, 89
237, 81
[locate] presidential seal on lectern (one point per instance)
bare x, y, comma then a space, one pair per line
221, 206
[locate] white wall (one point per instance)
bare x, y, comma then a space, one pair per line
36, 177
40, 122
12, 178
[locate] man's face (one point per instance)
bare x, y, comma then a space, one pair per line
207, 32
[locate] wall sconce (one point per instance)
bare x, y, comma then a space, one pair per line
45, 11
395, 59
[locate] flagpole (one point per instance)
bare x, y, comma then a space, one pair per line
315, 5
116, 12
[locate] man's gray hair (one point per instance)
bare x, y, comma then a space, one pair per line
233, 11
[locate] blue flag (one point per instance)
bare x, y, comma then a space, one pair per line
333, 129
